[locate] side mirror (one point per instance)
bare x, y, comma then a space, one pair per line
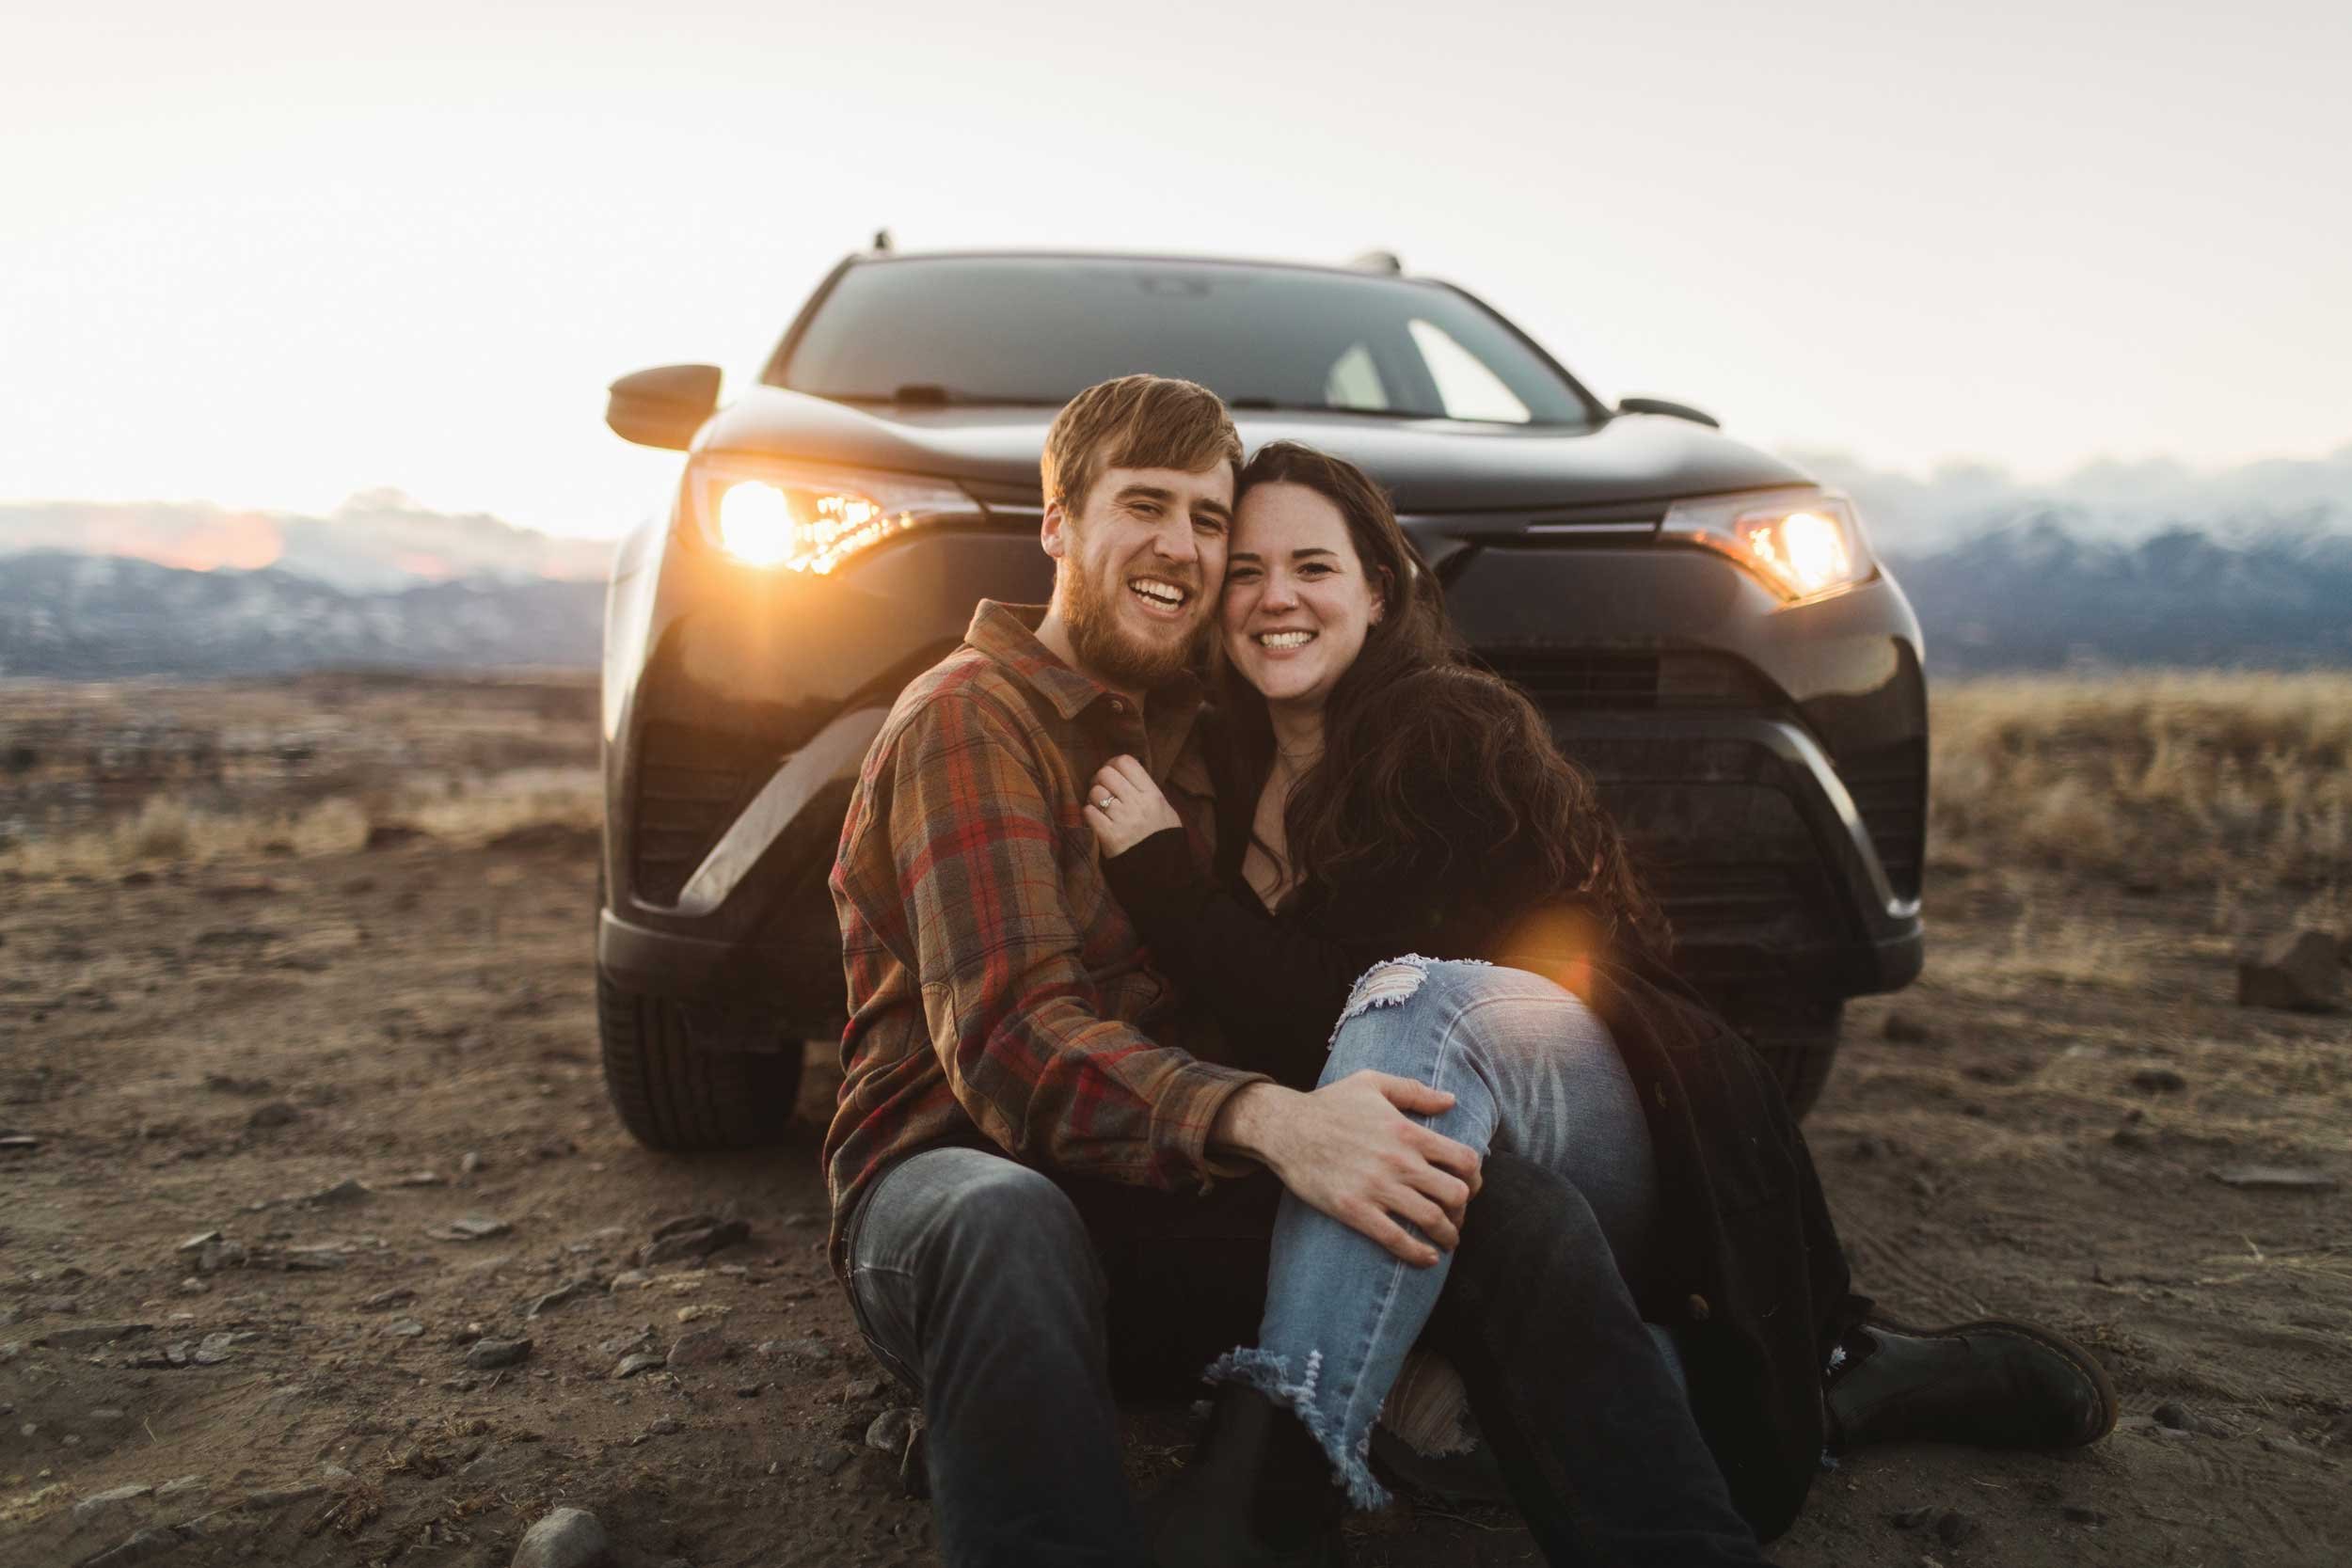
663, 408
1674, 410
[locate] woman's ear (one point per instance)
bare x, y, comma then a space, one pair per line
1380, 596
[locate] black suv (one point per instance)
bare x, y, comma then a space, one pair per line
1705, 626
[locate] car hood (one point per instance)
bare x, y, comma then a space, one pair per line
1430, 466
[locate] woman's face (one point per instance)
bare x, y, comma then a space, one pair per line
1297, 602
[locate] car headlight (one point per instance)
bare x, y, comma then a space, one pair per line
810, 519
1803, 543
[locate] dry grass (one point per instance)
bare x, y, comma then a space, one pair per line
2168, 778
165, 832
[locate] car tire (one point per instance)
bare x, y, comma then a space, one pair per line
1797, 1037
673, 1095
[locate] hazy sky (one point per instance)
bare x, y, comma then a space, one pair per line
254, 253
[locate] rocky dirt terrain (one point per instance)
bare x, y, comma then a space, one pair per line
319, 1245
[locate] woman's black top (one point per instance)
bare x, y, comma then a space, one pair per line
1756, 1283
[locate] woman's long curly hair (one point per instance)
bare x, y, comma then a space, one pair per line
1413, 724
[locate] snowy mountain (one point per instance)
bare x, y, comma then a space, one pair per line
378, 541
100, 617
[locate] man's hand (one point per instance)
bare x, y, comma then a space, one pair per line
1124, 807
1350, 1150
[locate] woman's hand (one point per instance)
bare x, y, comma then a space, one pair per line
1124, 807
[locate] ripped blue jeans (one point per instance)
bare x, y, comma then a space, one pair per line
1534, 1073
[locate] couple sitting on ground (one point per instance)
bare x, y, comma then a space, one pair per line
1299, 1023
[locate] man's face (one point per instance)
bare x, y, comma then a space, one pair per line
1140, 567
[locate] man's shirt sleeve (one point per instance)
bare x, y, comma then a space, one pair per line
977, 911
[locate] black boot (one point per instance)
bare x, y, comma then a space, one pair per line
1995, 1384
1257, 1494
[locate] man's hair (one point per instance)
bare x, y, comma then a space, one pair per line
1136, 421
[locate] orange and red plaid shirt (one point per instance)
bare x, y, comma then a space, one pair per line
998, 995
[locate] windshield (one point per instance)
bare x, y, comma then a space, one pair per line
1039, 330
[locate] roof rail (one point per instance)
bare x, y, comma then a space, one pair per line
1379, 260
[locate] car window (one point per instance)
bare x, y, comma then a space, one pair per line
1036, 330
1466, 387
1355, 381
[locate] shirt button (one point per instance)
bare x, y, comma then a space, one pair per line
1697, 1308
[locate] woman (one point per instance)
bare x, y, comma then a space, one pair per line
1379, 797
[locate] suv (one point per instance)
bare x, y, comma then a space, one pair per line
1704, 627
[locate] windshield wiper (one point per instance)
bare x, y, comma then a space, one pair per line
1276, 406
928, 394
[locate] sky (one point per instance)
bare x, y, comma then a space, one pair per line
255, 254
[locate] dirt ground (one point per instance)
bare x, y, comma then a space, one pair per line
334, 1059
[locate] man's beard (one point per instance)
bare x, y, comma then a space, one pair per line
1105, 649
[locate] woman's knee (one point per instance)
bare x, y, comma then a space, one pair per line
1488, 1013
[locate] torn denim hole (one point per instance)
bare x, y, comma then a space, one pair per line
1390, 983
1270, 1376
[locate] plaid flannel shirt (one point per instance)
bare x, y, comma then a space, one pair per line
997, 994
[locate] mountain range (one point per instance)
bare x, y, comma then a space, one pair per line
2117, 565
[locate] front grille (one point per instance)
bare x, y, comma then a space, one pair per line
1591, 680
691, 783
1889, 786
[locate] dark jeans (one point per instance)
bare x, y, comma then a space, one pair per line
1016, 1307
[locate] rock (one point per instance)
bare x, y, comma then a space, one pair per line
349, 1190
2158, 1080
631, 1364
393, 1297
218, 1255
406, 1328
665, 1426
826, 1462
2079, 1513
566, 1538
1903, 1029
893, 1430
2132, 1138
280, 1496
391, 835
21, 1143
471, 1228
491, 1354
2300, 971
571, 1290
632, 1280
1955, 1529
145, 1546
2176, 1416
470, 1164
1911, 1518
698, 1243
213, 1349
628, 1344
2275, 1178
415, 1178
174, 1488
85, 1335
275, 1113
199, 1242
681, 1223
810, 1349
100, 1501
702, 1310
698, 1349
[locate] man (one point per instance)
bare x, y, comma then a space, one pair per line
1031, 1123
1003, 1025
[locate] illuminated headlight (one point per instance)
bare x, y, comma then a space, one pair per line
810, 519
1802, 543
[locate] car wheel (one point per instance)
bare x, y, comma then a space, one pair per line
1797, 1037
672, 1095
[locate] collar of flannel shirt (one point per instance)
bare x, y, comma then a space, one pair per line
1007, 633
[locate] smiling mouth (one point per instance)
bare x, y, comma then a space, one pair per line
1284, 638
1158, 593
